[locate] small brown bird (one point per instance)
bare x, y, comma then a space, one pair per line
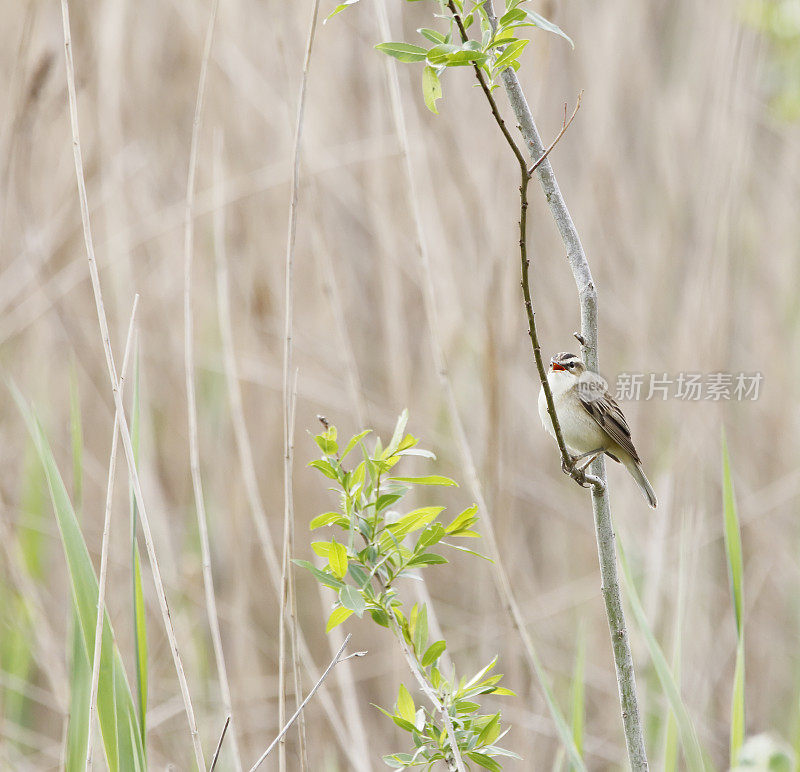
591, 420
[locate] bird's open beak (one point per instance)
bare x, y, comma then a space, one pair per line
555, 366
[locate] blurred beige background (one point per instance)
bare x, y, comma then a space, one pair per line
684, 187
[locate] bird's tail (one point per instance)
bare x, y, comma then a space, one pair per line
642, 481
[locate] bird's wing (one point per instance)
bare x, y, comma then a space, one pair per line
608, 415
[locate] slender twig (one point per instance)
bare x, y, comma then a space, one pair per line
499, 573
219, 744
101, 591
587, 294
454, 761
288, 512
525, 174
539, 161
112, 374
305, 702
191, 397
353, 751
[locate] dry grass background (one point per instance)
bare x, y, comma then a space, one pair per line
685, 192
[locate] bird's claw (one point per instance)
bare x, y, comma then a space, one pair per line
577, 474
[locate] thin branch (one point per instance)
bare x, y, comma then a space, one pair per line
191, 398
287, 595
219, 744
587, 295
499, 574
101, 591
305, 702
560, 134
525, 173
112, 374
455, 762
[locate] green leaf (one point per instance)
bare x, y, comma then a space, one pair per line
321, 548
432, 479
431, 91
405, 705
464, 520
432, 35
351, 598
421, 631
431, 535
399, 428
539, 21
327, 518
427, 559
321, 576
491, 731
435, 650
337, 559
339, 8
510, 54
324, 467
415, 519
487, 762
513, 16
338, 615
353, 441
404, 52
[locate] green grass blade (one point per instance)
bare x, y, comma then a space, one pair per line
733, 539
670, 754
139, 625
737, 705
80, 683
76, 435
114, 696
578, 696
733, 552
692, 751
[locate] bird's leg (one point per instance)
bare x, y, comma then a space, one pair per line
592, 454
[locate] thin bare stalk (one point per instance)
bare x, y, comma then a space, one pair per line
112, 374
499, 573
454, 762
305, 702
587, 294
219, 744
191, 397
288, 408
101, 592
354, 751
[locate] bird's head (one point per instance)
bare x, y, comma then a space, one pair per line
567, 365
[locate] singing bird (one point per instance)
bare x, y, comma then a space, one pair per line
591, 420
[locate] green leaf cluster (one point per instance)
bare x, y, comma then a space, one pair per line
379, 543
496, 47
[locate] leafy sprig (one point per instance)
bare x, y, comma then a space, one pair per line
379, 544
497, 48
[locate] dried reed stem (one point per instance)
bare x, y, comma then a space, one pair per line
101, 592
112, 374
191, 397
287, 589
353, 751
